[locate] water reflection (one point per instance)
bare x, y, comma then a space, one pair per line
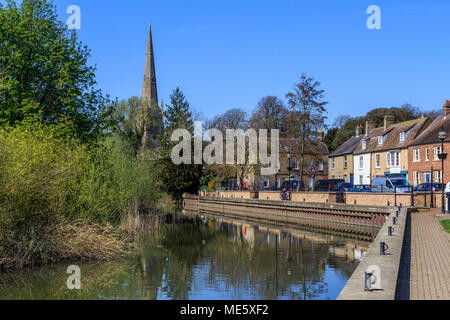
208, 258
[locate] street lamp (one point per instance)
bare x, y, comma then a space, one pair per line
289, 167
442, 135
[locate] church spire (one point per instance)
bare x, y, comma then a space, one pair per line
149, 90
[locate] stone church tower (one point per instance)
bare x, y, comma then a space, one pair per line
153, 115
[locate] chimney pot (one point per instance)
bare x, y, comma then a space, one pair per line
320, 135
370, 125
447, 108
388, 121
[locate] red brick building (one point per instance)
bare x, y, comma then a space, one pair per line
423, 161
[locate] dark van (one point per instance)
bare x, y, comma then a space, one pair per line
324, 185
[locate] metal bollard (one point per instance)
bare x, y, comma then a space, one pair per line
390, 231
368, 281
383, 248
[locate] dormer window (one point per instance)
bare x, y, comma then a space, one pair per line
364, 144
380, 141
402, 136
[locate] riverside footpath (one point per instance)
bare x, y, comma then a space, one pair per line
430, 258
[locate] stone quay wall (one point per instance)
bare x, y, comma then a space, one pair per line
388, 264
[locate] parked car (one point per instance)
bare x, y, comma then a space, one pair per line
362, 188
344, 186
400, 185
327, 184
427, 187
290, 187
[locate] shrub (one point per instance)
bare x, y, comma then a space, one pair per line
49, 180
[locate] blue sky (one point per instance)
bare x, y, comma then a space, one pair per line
227, 54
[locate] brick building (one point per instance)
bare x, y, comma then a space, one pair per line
424, 164
384, 150
315, 162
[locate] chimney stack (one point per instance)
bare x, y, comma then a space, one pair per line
447, 108
388, 121
370, 125
359, 129
320, 135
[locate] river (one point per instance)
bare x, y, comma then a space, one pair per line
207, 258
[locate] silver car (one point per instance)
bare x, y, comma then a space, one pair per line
400, 185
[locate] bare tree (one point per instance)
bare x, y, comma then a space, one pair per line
306, 100
232, 119
270, 113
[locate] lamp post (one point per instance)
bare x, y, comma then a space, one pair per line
289, 167
442, 135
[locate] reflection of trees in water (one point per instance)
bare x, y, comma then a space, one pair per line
288, 268
238, 260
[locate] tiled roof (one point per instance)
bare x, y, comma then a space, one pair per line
347, 147
430, 134
315, 147
392, 136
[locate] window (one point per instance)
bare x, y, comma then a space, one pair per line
402, 136
438, 176
427, 154
437, 151
345, 162
416, 155
294, 163
380, 141
364, 144
320, 166
416, 178
345, 178
361, 180
332, 163
361, 162
378, 160
393, 159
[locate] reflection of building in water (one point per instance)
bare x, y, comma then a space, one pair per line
248, 232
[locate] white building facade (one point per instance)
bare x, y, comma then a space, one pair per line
361, 169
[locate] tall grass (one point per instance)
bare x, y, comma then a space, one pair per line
47, 182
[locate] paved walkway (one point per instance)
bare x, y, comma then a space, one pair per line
430, 258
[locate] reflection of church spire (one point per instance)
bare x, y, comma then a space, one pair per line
149, 89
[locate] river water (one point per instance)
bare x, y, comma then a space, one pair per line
207, 258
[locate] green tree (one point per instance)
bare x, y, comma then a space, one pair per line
177, 179
307, 101
45, 74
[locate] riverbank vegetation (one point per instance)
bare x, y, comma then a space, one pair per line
64, 199
73, 183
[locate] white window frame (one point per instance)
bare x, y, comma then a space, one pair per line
380, 141
427, 154
361, 163
378, 160
332, 163
438, 176
391, 159
416, 178
402, 137
437, 151
416, 155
